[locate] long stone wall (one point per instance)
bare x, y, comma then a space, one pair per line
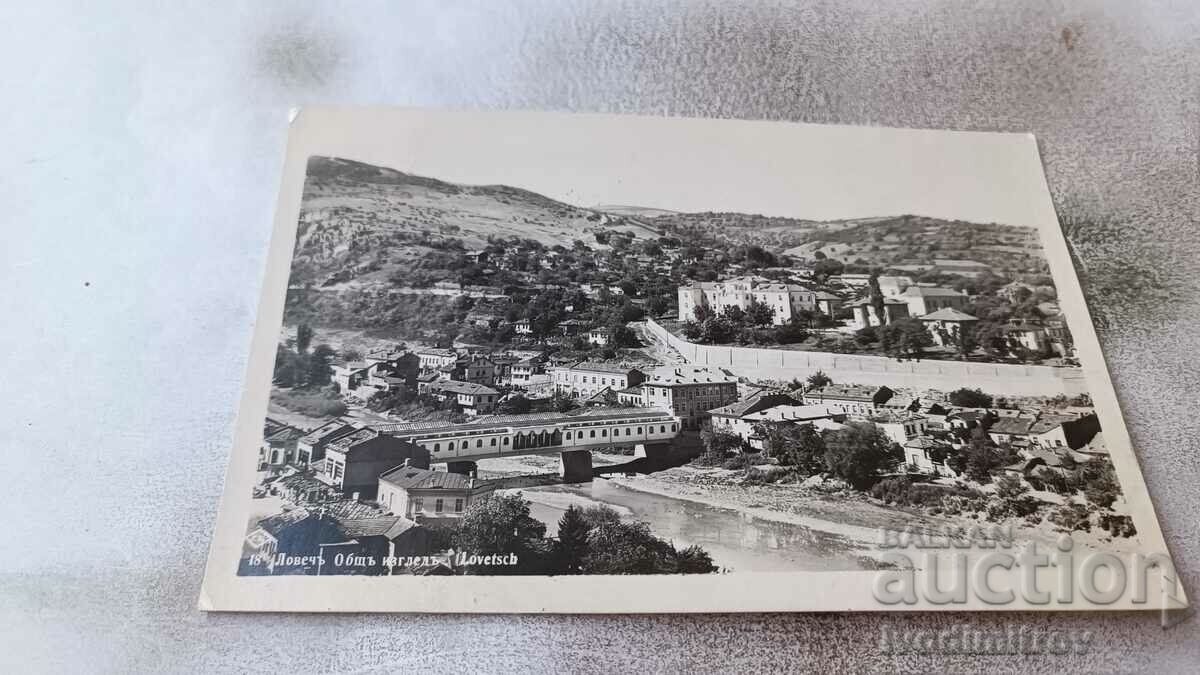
780, 364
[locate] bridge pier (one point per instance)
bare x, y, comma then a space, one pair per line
464, 468
651, 450
575, 466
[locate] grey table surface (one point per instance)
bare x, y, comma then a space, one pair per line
142, 151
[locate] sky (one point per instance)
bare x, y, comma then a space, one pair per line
819, 172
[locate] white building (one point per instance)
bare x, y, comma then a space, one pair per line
924, 300
432, 359
784, 299
690, 392
586, 378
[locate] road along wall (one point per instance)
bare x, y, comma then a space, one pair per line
1001, 379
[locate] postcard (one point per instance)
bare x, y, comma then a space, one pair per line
539, 362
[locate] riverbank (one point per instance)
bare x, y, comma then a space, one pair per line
845, 513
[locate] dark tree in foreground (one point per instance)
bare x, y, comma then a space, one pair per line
502, 524
572, 543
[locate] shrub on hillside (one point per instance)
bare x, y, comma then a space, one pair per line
312, 403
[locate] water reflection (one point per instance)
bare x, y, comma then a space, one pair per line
735, 540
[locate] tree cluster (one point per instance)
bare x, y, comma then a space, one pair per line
589, 541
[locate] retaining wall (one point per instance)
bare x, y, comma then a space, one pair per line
1002, 379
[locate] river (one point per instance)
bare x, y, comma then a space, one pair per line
736, 541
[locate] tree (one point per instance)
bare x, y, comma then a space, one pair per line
979, 458
318, 367
693, 560
718, 444
630, 548
759, 313
1010, 487
501, 524
818, 380
1100, 483
970, 398
859, 452
304, 336
905, 338
734, 314
517, 404
876, 297
572, 544
798, 445
791, 332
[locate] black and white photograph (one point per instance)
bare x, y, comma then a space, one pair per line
574, 378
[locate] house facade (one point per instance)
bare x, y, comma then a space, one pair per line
353, 464
924, 300
690, 392
473, 398
433, 359
427, 496
786, 300
587, 378
855, 400
865, 313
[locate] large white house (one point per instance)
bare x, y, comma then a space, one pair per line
785, 299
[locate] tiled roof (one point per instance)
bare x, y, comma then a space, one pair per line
346, 442
285, 435
410, 477
389, 527
437, 352
331, 428
530, 420
1046, 423
688, 374
861, 302
930, 292
349, 509
595, 367
1010, 425
281, 521
845, 391
948, 314
456, 387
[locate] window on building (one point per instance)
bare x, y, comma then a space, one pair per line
662, 428
437, 506
458, 505
568, 435
464, 445
418, 505
437, 446
506, 440
639, 430
592, 433
493, 443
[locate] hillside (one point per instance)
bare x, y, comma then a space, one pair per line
363, 222
909, 241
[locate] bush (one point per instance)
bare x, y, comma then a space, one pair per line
1071, 517
904, 492
739, 461
1117, 525
312, 403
